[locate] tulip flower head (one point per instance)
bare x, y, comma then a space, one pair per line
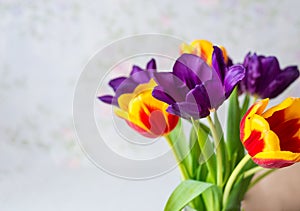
194, 88
135, 104
272, 137
264, 78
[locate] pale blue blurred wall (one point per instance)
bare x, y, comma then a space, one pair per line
44, 45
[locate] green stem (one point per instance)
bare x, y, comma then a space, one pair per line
253, 171
219, 152
233, 177
202, 142
254, 182
177, 155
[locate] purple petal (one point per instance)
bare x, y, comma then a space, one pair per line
127, 86
269, 70
171, 85
229, 62
141, 77
253, 72
199, 96
151, 65
281, 82
135, 69
161, 95
106, 99
218, 63
187, 110
115, 83
271, 64
191, 69
233, 76
215, 92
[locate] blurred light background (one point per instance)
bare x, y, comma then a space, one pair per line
44, 46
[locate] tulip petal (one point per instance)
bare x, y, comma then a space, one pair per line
204, 49
233, 76
106, 99
218, 63
276, 159
151, 65
253, 73
215, 92
135, 69
127, 86
160, 94
141, 77
269, 69
289, 135
185, 48
261, 137
199, 96
285, 111
280, 82
191, 69
171, 85
115, 83
187, 110
256, 108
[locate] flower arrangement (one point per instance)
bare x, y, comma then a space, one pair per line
217, 170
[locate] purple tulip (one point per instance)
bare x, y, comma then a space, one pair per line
264, 78
193, 89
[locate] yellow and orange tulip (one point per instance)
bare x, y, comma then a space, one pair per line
144, 113
203, 49
272, 137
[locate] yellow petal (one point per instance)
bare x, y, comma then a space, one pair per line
145, 87
271, 140
257, 108
260, 126
204, 49
124, 100
276, 159
121, 113
185, 48
286, 155
291, 107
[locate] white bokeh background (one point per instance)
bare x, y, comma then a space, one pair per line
44, 46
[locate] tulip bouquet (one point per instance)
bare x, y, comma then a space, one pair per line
217, 166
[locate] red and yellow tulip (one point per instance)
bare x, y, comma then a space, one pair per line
272, 137
144, 113
203, 49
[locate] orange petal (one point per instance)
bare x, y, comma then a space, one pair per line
203, 49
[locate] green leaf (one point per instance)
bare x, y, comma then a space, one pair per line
212, 198
245, 105
204, 127
234, 145
185, 192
